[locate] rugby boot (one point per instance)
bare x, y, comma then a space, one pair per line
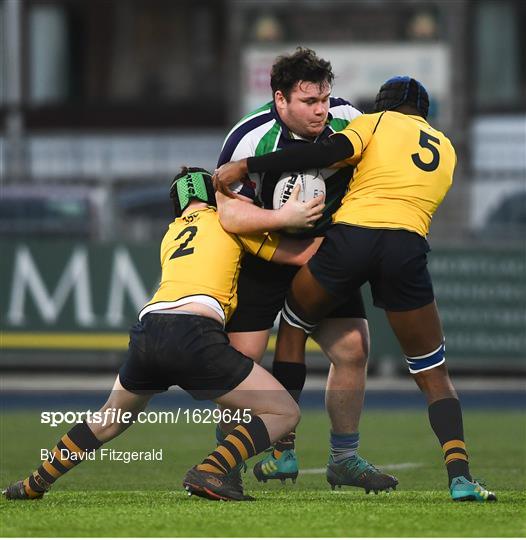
235, 474
358, 472
462, 489
271, 468
18, 491
217, 487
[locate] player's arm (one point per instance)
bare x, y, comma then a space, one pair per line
318, 155
276, 248
241, 216
296, 251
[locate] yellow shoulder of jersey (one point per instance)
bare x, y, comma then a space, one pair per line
199, 258
404, 170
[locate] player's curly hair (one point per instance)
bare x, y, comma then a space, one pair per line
302, 65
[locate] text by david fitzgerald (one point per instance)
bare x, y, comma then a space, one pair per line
103, 454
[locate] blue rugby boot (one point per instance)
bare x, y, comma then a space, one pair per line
272, 468
462, 489
358, 472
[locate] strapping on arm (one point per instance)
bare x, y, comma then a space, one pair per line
305, 156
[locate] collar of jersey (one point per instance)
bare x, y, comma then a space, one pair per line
416, 117
200, 210
288, 134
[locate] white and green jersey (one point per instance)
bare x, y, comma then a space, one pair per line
263, 131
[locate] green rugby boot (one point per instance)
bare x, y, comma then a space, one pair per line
358, 472
270, 468
462, 489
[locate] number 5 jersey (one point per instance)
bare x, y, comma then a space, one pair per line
404, 168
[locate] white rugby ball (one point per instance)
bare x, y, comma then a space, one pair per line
311, 184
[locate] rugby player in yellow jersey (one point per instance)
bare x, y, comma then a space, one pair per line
404, 168
179, 339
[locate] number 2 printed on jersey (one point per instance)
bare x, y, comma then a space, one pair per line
187, 234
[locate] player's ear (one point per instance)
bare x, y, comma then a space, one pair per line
279, 99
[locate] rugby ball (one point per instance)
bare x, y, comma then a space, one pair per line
311, 184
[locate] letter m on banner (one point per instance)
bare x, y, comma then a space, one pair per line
28, 281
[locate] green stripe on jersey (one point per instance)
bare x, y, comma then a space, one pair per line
337, 124
265, 107
267, 143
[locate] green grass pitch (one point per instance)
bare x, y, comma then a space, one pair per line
146, 498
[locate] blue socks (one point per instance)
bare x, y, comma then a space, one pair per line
344, 446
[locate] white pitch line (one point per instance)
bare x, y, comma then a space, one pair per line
391, 466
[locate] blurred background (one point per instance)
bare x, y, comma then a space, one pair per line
102, 101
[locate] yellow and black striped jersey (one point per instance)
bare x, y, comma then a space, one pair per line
404, 168
199, 259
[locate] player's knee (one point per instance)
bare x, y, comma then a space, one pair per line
295, 320
349, 350
353, 355
251, 344
292, 416
425, 362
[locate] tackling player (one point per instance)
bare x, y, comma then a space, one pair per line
405, 168
179, 339
302, 111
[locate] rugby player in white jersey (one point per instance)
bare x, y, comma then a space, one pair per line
301, 111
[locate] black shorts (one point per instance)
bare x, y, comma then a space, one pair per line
189, 351
261, 291
393, 261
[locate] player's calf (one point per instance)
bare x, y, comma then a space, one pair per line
292, 376
213, 478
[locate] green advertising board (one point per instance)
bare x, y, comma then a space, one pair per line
79, 298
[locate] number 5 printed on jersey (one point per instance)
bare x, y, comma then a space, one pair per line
428, 142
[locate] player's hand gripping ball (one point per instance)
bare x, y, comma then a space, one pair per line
311, 185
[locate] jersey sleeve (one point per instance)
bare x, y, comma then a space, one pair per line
239, 145
262, 245
343, 109
359, 133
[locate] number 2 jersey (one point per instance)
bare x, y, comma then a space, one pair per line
263, 131
403, 170
200, 262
